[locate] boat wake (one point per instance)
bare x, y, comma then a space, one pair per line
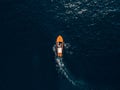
64, 71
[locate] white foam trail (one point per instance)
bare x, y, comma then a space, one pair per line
63, 70
82, 85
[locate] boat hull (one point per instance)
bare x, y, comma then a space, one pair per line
59, 46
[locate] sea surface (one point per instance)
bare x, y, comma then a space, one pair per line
28, 30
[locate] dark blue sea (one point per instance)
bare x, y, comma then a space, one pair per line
28, 30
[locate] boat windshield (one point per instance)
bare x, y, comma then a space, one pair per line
60, 44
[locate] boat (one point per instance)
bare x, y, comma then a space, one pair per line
59, 46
